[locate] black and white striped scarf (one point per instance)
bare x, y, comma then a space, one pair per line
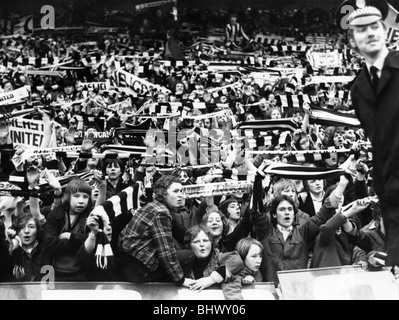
291, 171
327, 117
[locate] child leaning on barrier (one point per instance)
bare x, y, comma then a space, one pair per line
209, 265
250, 251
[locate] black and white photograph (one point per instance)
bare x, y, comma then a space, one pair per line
199, 157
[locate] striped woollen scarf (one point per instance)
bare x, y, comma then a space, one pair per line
327, 117
118, 206
121, 203
291, 171
269, 124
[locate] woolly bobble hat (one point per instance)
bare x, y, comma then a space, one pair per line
225, 204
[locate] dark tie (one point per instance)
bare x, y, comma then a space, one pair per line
374, 78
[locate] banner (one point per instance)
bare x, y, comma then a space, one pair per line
392, 23
13, 96
216, 189
324, 59
96, 136
26, 132
138, 85
35, 151
95, 85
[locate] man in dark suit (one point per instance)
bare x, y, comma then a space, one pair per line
375, 98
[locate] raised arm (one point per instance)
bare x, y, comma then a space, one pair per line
342, 219
311, 228
33, 176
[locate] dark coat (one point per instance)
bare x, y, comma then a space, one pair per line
32, 262
306, 203
332, 249
292, 254
64, 250
379, 115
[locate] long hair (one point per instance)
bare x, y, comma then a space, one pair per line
23, 218
225, 222
274, 204
116, 162
282, 184
74, 186
243, 246
193, 231
161, 186
306, 184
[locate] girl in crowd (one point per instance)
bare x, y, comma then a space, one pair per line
225, 238
275, 113
231, 209
249, 116
209, 265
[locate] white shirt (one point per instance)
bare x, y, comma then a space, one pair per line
285, 231
379, 63
317, 203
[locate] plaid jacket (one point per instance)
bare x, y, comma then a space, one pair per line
148, 237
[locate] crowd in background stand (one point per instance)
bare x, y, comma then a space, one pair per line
236, 239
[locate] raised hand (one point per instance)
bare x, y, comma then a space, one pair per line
33, 176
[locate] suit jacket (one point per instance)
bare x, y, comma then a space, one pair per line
379, 116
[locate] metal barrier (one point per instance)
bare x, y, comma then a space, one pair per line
338, 283
124, 291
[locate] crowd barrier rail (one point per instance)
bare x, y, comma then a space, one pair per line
335, 283
124, 291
